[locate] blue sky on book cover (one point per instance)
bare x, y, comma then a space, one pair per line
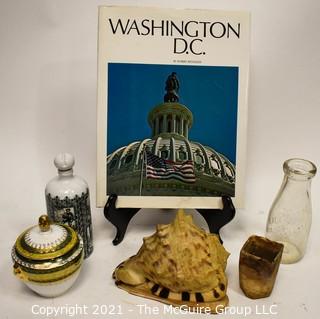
210, 93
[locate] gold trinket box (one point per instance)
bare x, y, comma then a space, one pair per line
48, 257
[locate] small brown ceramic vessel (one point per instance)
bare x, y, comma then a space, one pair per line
258, 266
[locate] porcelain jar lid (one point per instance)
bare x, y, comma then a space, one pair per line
47, 245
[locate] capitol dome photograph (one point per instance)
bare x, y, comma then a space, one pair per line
171, 130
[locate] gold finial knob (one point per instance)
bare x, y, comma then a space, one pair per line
44, 223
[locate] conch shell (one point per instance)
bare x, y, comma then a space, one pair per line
180, 264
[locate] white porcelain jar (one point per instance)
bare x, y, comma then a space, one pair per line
68, 200
48, 257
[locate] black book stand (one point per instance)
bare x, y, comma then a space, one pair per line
120, 217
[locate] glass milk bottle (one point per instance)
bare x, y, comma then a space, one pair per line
68, 201
290, 215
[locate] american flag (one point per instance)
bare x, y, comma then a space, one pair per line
159, 168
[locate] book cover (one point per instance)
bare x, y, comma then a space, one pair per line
172, 106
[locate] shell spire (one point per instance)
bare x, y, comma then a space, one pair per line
181, 217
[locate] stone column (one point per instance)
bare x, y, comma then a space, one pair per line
181, 126
157, 126
164, 124
177, 124
173, 123
186, 129
172, 150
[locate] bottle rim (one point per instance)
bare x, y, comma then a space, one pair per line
299, 168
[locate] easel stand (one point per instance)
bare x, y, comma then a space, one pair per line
120, 217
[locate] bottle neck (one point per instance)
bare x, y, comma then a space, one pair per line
297, 179
65, 173
295, 186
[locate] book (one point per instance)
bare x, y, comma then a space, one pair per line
172, 106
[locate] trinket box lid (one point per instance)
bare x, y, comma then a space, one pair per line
46, 242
